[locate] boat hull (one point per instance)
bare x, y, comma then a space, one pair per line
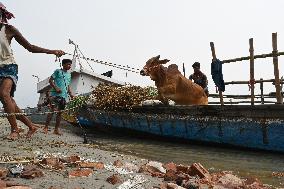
253, 127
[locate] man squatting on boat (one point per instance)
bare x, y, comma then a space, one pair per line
199, 78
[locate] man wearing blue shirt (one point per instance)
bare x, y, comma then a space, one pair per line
60, 89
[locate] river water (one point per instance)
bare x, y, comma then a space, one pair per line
243, 163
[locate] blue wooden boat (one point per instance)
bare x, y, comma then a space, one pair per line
259, 127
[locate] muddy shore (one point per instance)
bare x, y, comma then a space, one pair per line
50, 161
65, 146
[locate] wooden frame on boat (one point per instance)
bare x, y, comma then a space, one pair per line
252, 80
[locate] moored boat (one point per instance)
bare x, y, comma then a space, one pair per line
254, 127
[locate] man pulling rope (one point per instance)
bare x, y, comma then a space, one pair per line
9, 71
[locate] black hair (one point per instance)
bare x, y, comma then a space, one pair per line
65, 61
196, 65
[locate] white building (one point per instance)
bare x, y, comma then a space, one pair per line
82, 81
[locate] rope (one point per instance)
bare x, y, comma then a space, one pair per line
37, 113
251, 84
119, 66
81, 66
83, 56
67, 87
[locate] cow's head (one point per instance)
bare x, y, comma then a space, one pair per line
152, 65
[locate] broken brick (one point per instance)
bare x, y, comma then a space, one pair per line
3, 172
80, 173
114, 179
118, 163
31, 172
170, 166
96, 165
198, 169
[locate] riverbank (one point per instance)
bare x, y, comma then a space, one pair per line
63, 175
64, 162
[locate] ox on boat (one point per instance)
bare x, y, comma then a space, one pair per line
250, 124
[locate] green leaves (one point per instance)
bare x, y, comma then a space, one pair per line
110, 97
72, 107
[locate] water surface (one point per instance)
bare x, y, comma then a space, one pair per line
243, 163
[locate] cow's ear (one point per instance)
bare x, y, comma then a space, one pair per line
157, 57
164, 61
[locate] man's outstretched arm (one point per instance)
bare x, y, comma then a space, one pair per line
31, 48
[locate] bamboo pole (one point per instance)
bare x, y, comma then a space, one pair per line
255, 57
214, 58
241, 102
236, 82
242, 96
251, 50
276, 70
261, 92
281, 86
15, 162
183, 69
256, 81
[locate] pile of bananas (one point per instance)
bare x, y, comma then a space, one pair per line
110, 97
72, 108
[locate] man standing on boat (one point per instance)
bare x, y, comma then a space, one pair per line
199, 78
9, 71
60, 88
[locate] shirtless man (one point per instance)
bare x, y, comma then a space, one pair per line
9, 71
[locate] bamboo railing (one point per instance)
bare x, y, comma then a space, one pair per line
248, 57
276, 81
256, 81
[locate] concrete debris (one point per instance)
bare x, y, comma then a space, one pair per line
119, 170
17, 170
157, 165
133, 183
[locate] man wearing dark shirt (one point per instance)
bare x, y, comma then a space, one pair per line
199, 78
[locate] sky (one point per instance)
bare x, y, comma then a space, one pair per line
129, 32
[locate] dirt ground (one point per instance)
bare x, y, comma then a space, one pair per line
45, 145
